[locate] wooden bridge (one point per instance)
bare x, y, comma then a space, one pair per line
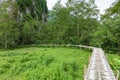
98, 68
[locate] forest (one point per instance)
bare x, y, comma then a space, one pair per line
25, 22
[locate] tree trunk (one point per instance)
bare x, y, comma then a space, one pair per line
6, 45
78, 31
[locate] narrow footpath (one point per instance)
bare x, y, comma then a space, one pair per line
98, 68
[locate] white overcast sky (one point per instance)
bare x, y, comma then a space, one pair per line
102, 4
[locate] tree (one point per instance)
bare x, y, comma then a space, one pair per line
8, 30
30, 14
115, 8
21, 21
107, 35
69, 24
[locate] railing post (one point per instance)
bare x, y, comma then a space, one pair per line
85, 71
117, 76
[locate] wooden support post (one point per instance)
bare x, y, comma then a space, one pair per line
99, 75
89, 58
117, 76
85, 71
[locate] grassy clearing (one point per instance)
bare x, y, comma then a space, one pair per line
114, 61
39, 63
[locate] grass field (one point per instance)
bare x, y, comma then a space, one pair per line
40, 63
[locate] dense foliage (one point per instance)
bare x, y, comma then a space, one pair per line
73, 24
114, 61
38, 63
108, 34
28, 22
20, 21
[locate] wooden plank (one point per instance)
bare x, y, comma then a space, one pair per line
98, 68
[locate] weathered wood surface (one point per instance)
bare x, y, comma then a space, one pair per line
98, 68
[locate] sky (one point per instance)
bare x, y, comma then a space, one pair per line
101, 4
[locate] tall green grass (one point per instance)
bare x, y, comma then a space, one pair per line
114, 61
40, 63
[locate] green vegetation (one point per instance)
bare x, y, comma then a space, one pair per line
42, 63
114, 61
26, 22
30, 22
20, 21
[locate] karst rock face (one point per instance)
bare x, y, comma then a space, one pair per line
36, 9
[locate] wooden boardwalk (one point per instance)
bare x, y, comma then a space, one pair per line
98, 68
